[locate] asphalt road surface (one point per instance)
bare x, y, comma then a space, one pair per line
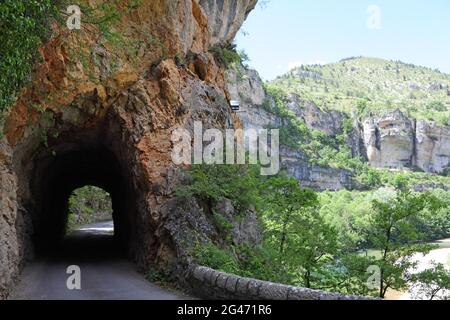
105, 274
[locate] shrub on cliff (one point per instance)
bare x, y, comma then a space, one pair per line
210, 183
23, 26
228, 56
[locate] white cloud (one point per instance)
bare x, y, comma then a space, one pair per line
374, 18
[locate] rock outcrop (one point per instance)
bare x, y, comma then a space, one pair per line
432, 147
312, 176
225, 17
329, 122
255, 113
391, 140
395, 141
9, 242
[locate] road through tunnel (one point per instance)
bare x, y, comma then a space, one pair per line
56, 179
50, 173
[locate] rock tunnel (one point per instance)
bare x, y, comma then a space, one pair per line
57, 176
52, 171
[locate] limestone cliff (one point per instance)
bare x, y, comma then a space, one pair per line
391, 140
395, 141
246, 86
100, 110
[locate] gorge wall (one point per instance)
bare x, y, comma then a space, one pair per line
101, 113
390, 140
393, 140
246, 86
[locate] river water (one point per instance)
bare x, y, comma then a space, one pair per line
440, 255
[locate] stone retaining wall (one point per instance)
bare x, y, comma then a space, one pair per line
211, 284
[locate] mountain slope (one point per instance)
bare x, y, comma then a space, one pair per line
369, 85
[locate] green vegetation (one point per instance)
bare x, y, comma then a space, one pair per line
220, 259
394, 231
432, 282
156, 276
350, 212
88, 205
315, 240
212, 183
368, 86
333, 151
321, 149
228, 56
24, 24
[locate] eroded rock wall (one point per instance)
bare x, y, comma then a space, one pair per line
225, 17
391, 140
395, 141
255, 113
9, 242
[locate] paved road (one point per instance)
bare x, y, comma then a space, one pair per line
105, 274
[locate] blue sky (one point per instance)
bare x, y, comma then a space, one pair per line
286, 33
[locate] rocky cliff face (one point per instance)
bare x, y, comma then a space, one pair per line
390, 141
225, 17
395, 141
246, 86
432, 146
97, 112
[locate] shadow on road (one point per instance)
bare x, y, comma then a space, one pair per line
106, 274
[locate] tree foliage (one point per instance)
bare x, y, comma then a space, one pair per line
315, 241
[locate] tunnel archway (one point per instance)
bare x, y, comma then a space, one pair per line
58, 174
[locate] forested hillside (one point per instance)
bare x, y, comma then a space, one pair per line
370, 85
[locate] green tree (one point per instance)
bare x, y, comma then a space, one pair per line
293, 226
432, 283
394, 234
283, 199
312, 248
210, 183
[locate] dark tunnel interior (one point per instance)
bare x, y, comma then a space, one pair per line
57, 176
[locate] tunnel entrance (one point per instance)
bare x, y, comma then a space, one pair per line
62, 176
102, 155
